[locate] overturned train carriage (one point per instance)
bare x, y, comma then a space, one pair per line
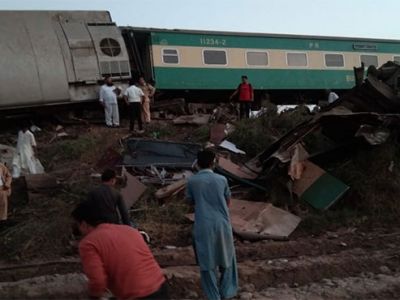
57, 57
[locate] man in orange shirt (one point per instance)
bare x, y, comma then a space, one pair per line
246, 96
116, 258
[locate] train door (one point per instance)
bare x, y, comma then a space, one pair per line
139, 50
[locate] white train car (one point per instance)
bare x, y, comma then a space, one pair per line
57, 57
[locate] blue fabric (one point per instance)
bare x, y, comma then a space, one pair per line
212, 231
228, 283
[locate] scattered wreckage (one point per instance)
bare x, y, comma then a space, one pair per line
366, 115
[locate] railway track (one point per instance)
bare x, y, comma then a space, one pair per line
300, 268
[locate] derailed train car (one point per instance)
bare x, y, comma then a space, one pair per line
57, 57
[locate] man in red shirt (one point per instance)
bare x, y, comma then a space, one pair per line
246, 96
116, 258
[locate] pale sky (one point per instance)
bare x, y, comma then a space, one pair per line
354, 18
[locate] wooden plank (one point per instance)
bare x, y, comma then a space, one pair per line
133, 189
171, 189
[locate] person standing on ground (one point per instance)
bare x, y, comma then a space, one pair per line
25, 160
116, 258
108, 200
213, 237
246, 97
108, 99
134, 97
5, 191
148, 91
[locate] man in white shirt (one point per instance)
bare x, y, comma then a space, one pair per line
332, 97
134, 97
108, 99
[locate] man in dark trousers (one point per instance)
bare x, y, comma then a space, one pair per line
109, 200
246, 96
134, 98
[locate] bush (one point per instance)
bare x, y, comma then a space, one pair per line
374, 177
255, 135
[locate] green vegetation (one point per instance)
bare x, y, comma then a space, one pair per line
255, 135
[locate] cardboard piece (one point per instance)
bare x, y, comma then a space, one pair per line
259, 220
263, 219
133, 189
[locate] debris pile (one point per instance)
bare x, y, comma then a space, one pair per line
307, 155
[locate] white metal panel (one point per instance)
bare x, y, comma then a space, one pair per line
49, 59
116, 66
19, 80
82, 50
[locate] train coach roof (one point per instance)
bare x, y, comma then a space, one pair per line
87, 15
255, 34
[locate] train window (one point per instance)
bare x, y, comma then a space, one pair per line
296, 59
170, 56
214, 57
257, 58
110, 47
369, 60
334, 60
396, 59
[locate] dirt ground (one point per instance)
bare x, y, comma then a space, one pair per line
340, 254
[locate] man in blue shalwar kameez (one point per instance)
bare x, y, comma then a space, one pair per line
213, 237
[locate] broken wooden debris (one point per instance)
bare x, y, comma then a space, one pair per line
198, 119
133, 189
239, 171
171, 189
318, 188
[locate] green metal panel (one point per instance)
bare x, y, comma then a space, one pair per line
265, 42
224, 78
324, 192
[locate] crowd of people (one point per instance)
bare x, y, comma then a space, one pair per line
117, 259
140, 94
115, 255
137, 97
